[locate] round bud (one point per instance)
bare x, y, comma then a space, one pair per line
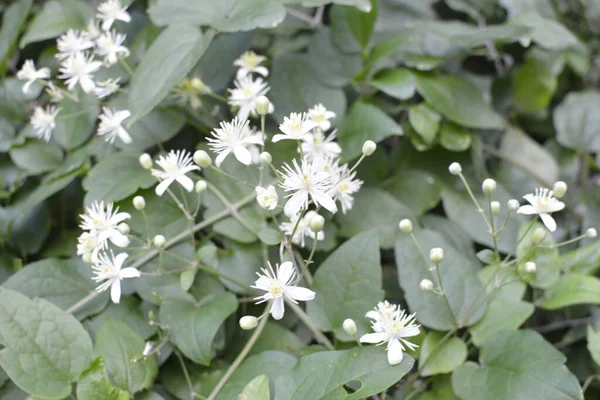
262, 105
455, 168
316, 223
201, 186
123, 228
530, 267
202, 158
159, 241
559, 189
146, 161
87, 258
495, 207
513, 205
139, 203
406, 226
248, 322
539, 235
426, 285
436, 255
488, 186
265, 159
369, 147
591, 233
349, 326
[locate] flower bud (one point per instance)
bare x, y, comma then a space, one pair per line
159, 241
202, 158
87, 258
349, 326
265, 159
426, 285
262, 105
530, 267
455, 168
369, 147
591, 233
200, 186
139, 203
513, 205
488, 186
248, 322
406, 226
539, 235
316, 223
123, 228
559, 189
146, 161
495, 207
436, 255
148, 348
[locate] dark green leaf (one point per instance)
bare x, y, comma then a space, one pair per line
576, 121
533, 86
425, 122
362, 23
76, 120
454, 138
94, 384
398, 83
37, 156
13, 19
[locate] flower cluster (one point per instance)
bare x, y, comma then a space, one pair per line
77, 52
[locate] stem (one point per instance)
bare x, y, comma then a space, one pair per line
309, 324
230, 177
126, 65
180, 205
186, 374
578, 238
493, 228
439, 276
479, 209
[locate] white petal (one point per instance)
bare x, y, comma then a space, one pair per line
124, 135
530, 198
556, 207
409, 331
26, 86
162, 187
376, 337
243, 155
285, 272
129, 273
115, 291
324, 200
295, 203
120, 259
221, 157
549, 222
243, 112
186, 182
279, 137
299, 293
277, 308
119, 239
527, 210
87, 84
262, 71
373, 314
395, 352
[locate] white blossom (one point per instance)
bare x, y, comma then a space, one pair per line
295, 127
345, 187
55, 94
89, 246
250, 62
267, 198
316, 146
234, 137
110, 11
107, 87
92, 30
321, 116
302, 229
43, 121
306, 181
279, 284
102, 222
30, 74
543, 203
175, 165
245, 93
109, 45
71, 43
110, 125
79, 69
110, 269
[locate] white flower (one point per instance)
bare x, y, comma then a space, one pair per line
175, 165
110, 11
107, 87
250, 62
321, 116
295, 127
30, 74
103, 223
88, 244
302, 229
279, 284
345, 187
245, 94
79, 69
92, 30
267, 198
316, 146
55, 94
306, 181
71, 43
43, 121
235, 136
110, 125
110, 45
392, 330
543, 203
110, 269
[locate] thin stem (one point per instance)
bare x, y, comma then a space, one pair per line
321, 338
578, 238
180, 205
479, 209
493, 228
186, 374
588, 382
416, 242
262, 146
439, 276
567, 323
216, 96
230, 177
126, 65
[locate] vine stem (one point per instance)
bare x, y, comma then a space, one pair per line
242, 356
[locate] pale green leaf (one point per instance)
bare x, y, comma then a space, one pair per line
571, 289
576, 121
94, 384
76, 120
548, 33
501, 313
398, 83
593, 343
533, 86
362, 23
425, 121
257, 389
583, 260
441, 359
418, 190
37, 156
130, 310
13, 19
454, 138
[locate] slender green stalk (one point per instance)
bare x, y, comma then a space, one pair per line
230, 176
474, 199
185, 374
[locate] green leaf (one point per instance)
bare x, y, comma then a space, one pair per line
273, 337
418, 190
193, 325
583, 260
458, 100
576, 121
348, 284
186, 279
497, 33
224, 16
116, 177
270, 236
458, 272
398, 83
546, 32
130, 310
593, 343
13, 102
364, 122
13, 19
117, 344
425, 121
454, 138
55, 18
571, 289
37, 156
516, 362
501, 313
76, 120
544, 257
257, 389
446, 358
322, 375
533, 86
168, 60
362, 23
61, 282
45, 349
94, 384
